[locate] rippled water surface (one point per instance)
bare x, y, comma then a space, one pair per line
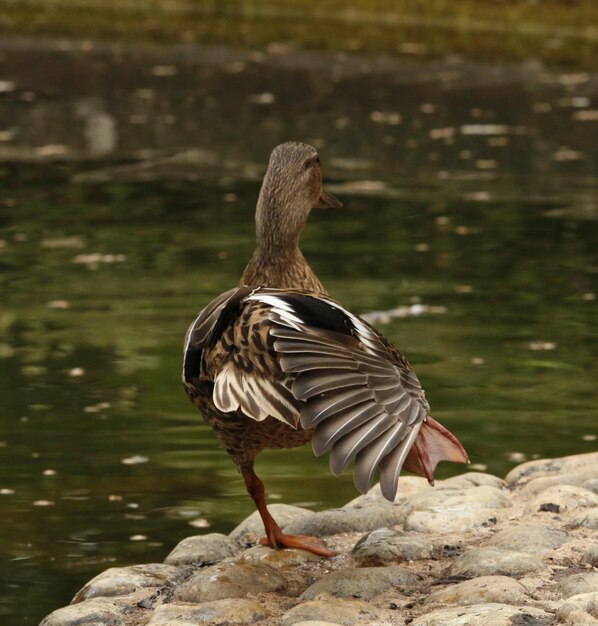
128, 179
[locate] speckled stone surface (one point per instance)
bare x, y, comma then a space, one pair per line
476, 550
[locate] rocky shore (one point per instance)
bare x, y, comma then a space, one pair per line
474, 550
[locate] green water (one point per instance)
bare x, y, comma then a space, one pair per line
469, 189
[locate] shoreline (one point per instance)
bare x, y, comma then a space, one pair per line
474, 549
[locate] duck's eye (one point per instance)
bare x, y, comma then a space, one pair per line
307, 164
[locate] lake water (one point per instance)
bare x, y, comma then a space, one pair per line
128, 179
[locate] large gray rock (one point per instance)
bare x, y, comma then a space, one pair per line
408, 485
95, 612
472, 479
585, 519
494, 562
344, 612
252, 527
531, 538
482, 590
590, 556
229, 580
200, 550
485, 615
385, 546
357, 518
121, 581
563, 498
453, 510
580, 610
573, 585
531, 470
363, 583
582, 477
231, 611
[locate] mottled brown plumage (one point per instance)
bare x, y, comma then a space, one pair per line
275, 363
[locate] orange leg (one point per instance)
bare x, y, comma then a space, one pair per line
275, 538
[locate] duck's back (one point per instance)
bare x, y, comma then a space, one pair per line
271, 368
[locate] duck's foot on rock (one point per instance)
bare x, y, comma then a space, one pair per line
303, 542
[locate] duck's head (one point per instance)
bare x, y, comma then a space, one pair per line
292, 187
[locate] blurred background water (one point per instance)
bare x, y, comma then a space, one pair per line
129, 172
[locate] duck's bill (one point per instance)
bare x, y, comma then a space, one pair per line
328, 201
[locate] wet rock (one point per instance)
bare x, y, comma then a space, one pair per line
531, 538
230, 611
580, 610
590, 556
565, 497
201, 550
350, 519
229, 580
575, 584
494, 562
484, 615
384, 546
252, 528
344, 612
121, 581
525, 472
363, 583
586, 519
453, 510
89, 613
482, 590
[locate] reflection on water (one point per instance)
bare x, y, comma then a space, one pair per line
128, 184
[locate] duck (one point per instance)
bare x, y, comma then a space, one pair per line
275, 362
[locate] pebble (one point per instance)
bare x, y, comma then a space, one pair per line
580, 610
363, 583
229, 580
344, 612
200, 550
497, 589
475, 550
575, 584
229, 611
384, 546
517, 538
483, 615
489, 561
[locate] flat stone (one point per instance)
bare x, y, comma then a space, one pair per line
592, 482
590, 556
357, 518
200, 550
565, 497
525, 472
121, 581
580, 478
482, 590
252, 528
579, 610
472, 479
585, 519
364, 583
230, 580
573, 585
531, 538
493, 614
95, 612
280, 559
230, 611
343, 612
408, 485
453, 510
494, 562
384, 546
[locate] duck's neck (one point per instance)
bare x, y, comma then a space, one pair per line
282, 267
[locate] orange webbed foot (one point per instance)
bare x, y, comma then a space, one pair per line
302, 542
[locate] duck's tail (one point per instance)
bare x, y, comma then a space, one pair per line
433, 444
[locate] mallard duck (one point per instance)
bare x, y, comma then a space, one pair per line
275, 362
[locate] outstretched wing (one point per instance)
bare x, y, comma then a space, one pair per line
359, 393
